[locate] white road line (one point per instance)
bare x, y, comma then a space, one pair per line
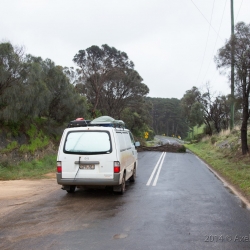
159, 170
155, 168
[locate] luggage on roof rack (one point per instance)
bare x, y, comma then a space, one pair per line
78, 122
103, 121
107, 121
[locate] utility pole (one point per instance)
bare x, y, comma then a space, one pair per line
232, 67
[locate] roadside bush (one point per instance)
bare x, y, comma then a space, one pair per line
37, 140
12, 145
182, 149
199, 137
213, 139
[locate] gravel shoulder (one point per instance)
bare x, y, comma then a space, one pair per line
16, 193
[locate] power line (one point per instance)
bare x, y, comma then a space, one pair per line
206, 20
213, 77
216, 40
239, 11
206, 44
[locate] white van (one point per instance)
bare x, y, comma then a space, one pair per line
102, 153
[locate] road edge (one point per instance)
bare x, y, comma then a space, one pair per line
237, 193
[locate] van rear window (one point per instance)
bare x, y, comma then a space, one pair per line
88, 142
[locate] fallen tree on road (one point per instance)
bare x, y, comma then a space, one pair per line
174, 148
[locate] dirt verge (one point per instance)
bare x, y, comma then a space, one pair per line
16, 193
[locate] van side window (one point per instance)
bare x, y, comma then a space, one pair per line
127, 140
121, 141
124, 140
132, 138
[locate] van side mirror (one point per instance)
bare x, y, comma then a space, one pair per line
137, 144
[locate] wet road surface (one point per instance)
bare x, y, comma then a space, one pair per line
175, 203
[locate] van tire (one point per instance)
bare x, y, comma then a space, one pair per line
132, 178
71, 189
123, 185
120, 189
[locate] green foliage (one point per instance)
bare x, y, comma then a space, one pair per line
136, 119
240, 44
13, 127
32, 131
192, 110
202, 108
34, 169
40, 121
121, 90
11, 68
31, 88
166, 117
37, 140
196, 132
108, 80
182, 149
213, 139
11, 146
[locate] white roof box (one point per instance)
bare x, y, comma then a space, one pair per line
108, 122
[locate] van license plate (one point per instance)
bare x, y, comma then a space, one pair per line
83, 166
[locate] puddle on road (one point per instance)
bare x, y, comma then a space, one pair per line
120, 236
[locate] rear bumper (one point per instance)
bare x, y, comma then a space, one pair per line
88, 182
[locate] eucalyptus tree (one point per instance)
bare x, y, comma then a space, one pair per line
11, 65
138, 118
97, 65
206, 108
64, 102
123, 89
216, 111
35, 93
241, 43
12, 73
192, 109
24, 94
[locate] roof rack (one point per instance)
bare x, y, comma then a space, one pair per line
102, 121
78, 122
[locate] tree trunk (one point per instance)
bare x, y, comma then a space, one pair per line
210, 131
176, 129
244, 145
245, 117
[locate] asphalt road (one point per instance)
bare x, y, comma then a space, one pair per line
175, 204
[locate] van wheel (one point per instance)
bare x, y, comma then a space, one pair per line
132, 178
71, 189
120, 189
123, 184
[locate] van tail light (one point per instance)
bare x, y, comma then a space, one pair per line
59, 167
116, 167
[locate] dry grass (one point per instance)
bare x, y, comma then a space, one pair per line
225, 132
205, 138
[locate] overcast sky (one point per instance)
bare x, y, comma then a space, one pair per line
172, 43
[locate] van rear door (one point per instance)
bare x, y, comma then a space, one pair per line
88, 154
